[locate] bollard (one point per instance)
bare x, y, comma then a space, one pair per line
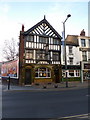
44, 86
56, 86
9, 83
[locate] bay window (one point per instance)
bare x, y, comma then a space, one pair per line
42, 72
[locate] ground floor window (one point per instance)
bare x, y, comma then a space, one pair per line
42, 72
71, 73
77, 73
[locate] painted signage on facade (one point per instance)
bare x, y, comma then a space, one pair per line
87, 66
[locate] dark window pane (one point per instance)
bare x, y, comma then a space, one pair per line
83, 42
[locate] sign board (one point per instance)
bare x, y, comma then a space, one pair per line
86, 65
84, 49
10, 69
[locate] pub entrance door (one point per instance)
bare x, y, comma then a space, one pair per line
27, 76
56, 72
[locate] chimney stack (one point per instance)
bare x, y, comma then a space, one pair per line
22, 27
82, 33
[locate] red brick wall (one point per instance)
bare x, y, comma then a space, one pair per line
21, 53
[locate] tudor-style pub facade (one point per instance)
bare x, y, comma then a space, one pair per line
39, 54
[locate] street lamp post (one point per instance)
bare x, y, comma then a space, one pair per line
65, 48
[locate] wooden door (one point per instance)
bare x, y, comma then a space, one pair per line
56, 72
28, 76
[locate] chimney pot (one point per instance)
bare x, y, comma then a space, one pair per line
82, 33
22, 27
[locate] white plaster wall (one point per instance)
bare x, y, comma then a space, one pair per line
76, 55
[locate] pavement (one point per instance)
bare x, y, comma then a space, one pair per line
44, 87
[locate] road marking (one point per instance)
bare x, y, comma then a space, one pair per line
88, 95
82, 115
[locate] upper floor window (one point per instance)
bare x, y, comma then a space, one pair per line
88, 56
83, 43
71, 61
43, 39
29, 54
55, 56
30, 38
70, 50
40, 55
84, 55
89, 42
55, 41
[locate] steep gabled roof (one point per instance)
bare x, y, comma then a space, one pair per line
43, 28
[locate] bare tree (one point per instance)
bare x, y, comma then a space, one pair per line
10, 50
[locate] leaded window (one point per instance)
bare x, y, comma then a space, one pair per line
43, 39
30, 38
55, 41
42, 72
29, 54
40, 54
55, 56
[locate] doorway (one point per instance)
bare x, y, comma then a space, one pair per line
28, 76
56, 72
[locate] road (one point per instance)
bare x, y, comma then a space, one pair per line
44, 104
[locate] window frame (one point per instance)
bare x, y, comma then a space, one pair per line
43, 39
28, 53
70, 50
83, 43
55, 55
71, 62
29, 39
39, 71
70, 71
77, 73
56, 41
89, 42
84, 56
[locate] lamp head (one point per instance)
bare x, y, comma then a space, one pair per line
68, 15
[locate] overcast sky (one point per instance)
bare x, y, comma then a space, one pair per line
14, 14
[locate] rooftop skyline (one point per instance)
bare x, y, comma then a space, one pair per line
14, 14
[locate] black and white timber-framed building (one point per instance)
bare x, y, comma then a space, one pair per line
39, 54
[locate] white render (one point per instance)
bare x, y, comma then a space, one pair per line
76, 53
